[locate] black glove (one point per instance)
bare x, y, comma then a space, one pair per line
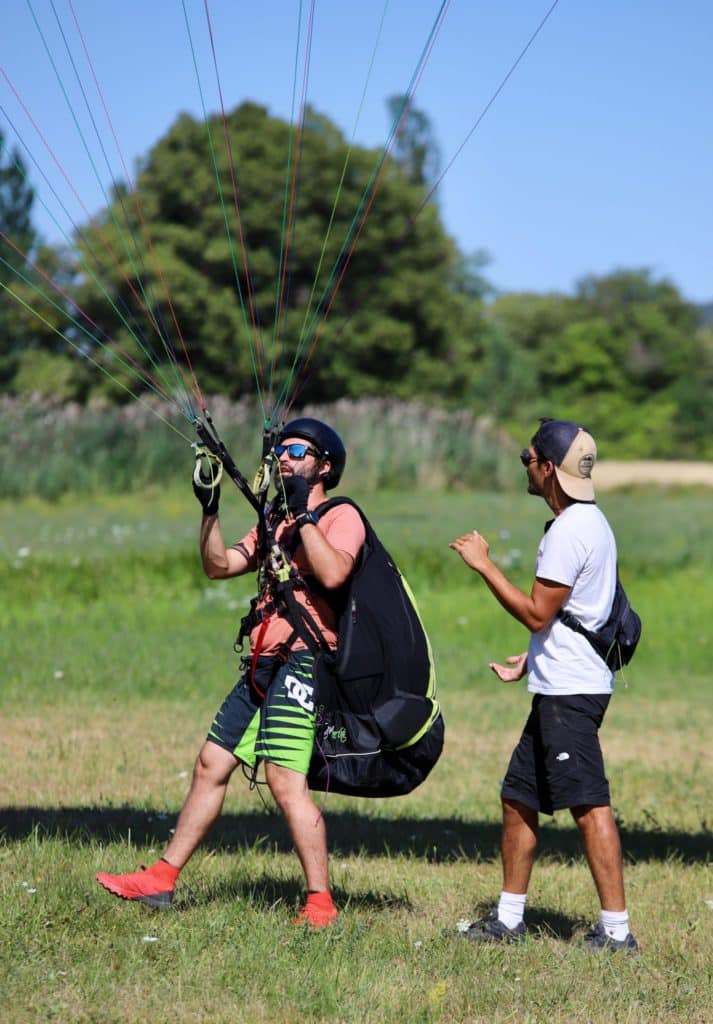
207, 493
296, 494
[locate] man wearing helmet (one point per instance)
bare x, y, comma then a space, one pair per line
269, 715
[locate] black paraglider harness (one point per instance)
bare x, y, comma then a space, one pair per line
379, 727
278, 576
278, 580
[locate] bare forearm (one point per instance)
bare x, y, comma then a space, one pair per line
534, 612
515, 601
331, 567
218, 561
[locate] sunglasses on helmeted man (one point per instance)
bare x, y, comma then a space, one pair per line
295, 451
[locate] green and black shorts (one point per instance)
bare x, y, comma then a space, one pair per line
269, 715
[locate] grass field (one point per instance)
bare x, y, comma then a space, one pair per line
117, 652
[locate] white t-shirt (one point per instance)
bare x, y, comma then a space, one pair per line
578, 551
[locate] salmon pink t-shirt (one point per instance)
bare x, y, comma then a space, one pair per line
344, 529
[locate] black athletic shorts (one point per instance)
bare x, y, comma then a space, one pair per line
558, 762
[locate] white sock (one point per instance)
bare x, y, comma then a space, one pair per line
511, 908
616, 924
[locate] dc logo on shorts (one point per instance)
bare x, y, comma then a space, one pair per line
299, 691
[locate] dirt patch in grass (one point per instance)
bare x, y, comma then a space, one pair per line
87, 755
610, 475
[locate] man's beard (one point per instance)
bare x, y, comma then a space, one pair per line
311, 478
533, 488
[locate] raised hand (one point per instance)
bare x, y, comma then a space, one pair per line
296, 491
472, 548
206, 488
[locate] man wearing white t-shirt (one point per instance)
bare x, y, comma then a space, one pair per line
558, 762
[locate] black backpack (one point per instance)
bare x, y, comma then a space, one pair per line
380, 729
616, 641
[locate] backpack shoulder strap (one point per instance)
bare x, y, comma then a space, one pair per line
338, 499
573, 622
302, 622
595, 637
343, 500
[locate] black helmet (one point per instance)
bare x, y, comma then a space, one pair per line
327, 442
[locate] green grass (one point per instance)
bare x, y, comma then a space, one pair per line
117, 652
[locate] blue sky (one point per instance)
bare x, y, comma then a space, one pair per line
596, 155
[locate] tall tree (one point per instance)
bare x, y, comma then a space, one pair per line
17, 240
348, 244
416, 148
619, 355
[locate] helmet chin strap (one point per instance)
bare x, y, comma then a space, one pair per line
314, 477
317, 474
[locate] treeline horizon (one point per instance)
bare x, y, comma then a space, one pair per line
391, 309
63, 448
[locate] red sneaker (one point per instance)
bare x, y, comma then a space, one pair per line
143, 886
318, 913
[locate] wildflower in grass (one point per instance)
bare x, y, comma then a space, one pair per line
437, 995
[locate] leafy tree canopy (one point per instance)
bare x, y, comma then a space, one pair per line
16, 241
412, 317
622, 355
380, 298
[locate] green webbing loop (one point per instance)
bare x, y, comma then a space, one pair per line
209, 462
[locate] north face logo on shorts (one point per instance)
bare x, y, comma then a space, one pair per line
300, 692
